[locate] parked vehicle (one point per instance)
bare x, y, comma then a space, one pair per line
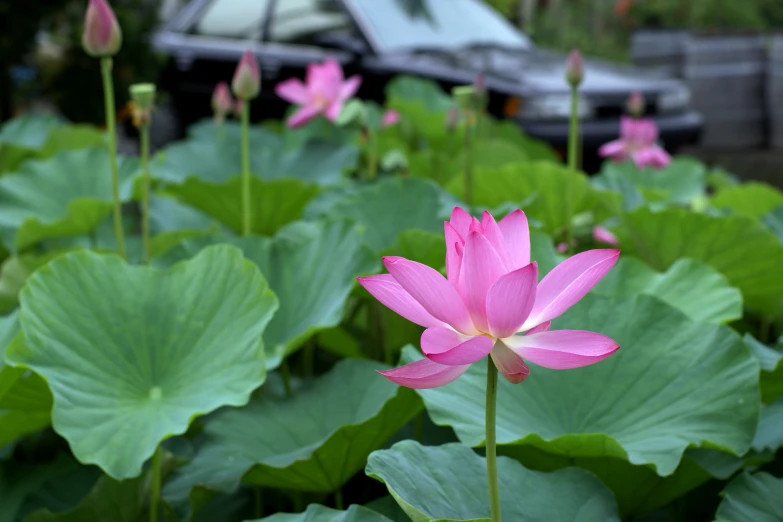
450, 41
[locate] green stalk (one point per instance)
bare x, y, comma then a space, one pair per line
155, 489
492, 465
144, 137
338, 499
467, 174
372, 154
573, 130
246, 168
111, 128
286, 372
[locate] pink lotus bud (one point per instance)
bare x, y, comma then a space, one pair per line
635, 104
102, 35
575, 69
247, 78
222, 101
601, 235
390, 117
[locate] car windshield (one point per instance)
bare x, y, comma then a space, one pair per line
398, 25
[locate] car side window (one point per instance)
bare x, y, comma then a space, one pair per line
241, 19
300, 22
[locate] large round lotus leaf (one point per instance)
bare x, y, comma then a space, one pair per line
215, 159
169, 215
426, 91
555, 193
66, 195
449, 483
132, 354
313, 441
770, 359
752, 498
681, 181
773, 220
752, 199
723, 242
318, 513
273, 203
769, 436
696, 289
674, 383
25, 400
386, 208
22, 137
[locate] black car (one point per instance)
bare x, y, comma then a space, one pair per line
450, 41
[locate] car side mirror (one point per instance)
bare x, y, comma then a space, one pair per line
343, 42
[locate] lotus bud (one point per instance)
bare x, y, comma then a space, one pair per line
143, 98
575, 69
635, 104
222, 101
101, 36
390, 117
247, 78
480, 90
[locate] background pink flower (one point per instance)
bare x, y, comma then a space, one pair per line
638, 142
602, 235
390, 117
324, 93
491, 303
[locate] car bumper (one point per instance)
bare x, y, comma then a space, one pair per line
676, 130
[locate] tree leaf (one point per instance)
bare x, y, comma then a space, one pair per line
313, 441
132, 354
273, 203
456, 487
723, 242
386, 208
696, 289
66, 195
318, 513
674, 383
311, 267
752, 498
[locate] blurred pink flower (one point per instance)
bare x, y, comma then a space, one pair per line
246, 83
324, 93
491, 303
390, 117
602, 235
575, 68
222, 101
101, 35
638, 142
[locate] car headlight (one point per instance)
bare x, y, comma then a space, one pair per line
552, 106
674, 99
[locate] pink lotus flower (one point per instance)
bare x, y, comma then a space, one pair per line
325, 92
638, 141
101, 35
390, 118
601, 235
491, 303
222, 101
246, 83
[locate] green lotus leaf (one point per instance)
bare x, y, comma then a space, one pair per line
696, 289
313, 441
752, 199
273, 203
311, 267
133, 354
752, 498
774, 221
385, 209
556, 194
673, 384
318, 513
769, 436
456, 487
723, 242
66, 195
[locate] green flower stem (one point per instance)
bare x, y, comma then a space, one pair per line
246, 168
573, 155
111, 128
286, 372
467, 173
338, 499
372, 154
155, 488
144, 138
492, 464
258, 502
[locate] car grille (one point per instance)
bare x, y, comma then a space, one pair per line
615, 109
